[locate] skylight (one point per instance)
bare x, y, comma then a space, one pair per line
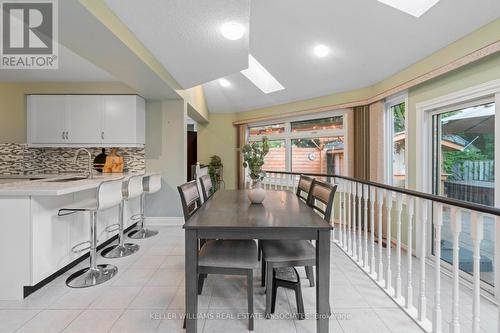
413, 7
259, 76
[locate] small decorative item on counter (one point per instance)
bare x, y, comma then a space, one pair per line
100, 160
253, 156
114, 162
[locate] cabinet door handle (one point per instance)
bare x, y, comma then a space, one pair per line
102, 135
62, 135
67, 135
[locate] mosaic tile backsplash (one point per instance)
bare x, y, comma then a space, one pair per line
19, 159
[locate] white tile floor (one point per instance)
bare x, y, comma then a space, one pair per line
147, 295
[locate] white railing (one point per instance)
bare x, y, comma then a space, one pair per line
362, 208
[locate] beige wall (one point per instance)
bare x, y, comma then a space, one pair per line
13, 102
166, 152
219, 137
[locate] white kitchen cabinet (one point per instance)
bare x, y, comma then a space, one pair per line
83, 118
47, 118
123, 119
86, 120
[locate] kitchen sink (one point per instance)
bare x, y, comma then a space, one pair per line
64, 180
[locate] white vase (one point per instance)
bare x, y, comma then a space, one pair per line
257, 194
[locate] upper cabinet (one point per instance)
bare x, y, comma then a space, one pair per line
86, 120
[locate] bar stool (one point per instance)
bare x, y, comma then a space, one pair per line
151, 184
130, 189
109, 194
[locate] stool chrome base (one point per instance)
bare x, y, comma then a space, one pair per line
120, 251
89, 277
142, 233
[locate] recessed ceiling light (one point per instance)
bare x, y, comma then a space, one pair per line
232, 30
321, 50
224, 83
261, 77
413, 7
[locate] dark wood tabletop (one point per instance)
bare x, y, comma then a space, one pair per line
232, 209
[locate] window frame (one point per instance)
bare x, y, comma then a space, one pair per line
424, 111
389, 135
288, 135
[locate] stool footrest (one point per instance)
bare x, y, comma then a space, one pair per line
75, 248
112, 227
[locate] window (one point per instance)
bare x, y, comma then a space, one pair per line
317, 124
318, 155
304, 144
463, 164
267, 129
396, 141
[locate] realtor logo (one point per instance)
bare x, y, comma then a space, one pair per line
29, 34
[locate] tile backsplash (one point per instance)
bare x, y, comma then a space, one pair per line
19, 159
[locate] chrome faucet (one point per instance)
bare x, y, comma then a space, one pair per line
90, 175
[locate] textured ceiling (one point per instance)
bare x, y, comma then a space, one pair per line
184, 35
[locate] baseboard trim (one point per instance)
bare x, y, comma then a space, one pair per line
28, 290
164, 221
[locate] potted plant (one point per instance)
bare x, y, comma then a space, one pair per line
215, 171
253, 156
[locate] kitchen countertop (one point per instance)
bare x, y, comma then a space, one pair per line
49, 186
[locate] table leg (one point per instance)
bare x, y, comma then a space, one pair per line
323, 281
269, 290
191, 270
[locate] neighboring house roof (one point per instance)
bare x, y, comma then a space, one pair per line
452, 142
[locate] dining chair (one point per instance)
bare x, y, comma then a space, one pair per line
225, 257
206, 187
303, 189
288, 253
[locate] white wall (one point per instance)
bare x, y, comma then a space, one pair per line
166, 148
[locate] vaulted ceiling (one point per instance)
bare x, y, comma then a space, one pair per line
369, 41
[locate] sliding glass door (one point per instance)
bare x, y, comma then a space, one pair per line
463, 165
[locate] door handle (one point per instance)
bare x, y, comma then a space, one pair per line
102, 135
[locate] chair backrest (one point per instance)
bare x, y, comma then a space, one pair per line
109, 194
322, 192
206, 187
152, 183
133, 187
190, 198
304, 185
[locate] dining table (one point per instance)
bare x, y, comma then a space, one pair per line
229, 214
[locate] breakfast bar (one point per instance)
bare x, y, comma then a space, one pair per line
40, 241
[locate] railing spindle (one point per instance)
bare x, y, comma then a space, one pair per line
372, 229
349, 219
359, 193
399, 208
344, 212
354, 221
477, 237
438, 222
409, 250
388, 207
365, 226
422, 301
456, 228
380, 203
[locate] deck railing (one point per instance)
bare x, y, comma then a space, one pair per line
362, 208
